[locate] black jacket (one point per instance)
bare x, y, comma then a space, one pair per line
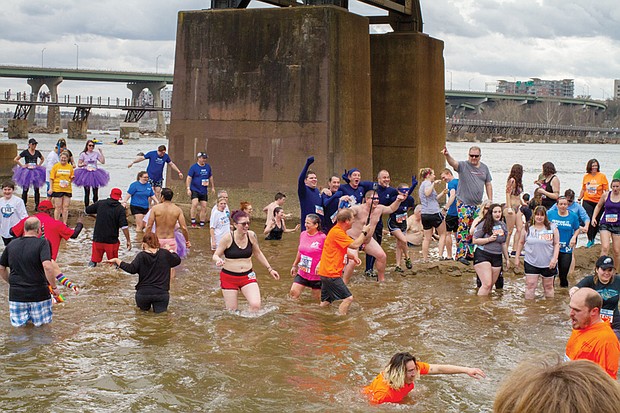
110, 218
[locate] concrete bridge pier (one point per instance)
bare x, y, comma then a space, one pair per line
35, 84
155, 89
53, 112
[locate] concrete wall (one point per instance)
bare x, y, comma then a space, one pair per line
408, 104
8, 152
262, 89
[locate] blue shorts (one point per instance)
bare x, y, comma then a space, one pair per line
157, 184
39, 312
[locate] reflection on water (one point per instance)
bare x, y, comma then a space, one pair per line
102, 354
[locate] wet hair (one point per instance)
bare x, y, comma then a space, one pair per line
244, 205
151, 240
140, 174
238, 214
543, 385
425, 172
279, 196
548, 168
315, 219
161, 148
488, 222
310, 172
589, 165
276, 210
396, 370
8, 184
516, 173
345, 215
167, 194
526, 196
570, 195
86, 145
539, 210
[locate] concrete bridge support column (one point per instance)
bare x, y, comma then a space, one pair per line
261, 101
8, 151
35, 85
53, 112
155, 89
408, 103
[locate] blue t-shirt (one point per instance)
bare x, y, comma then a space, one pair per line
453, 184
140, 194
156, 165
199, 174
566, 227
400, 214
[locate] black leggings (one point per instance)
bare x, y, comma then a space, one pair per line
158, 301
564, 261
589, 207
87, 195
37, 196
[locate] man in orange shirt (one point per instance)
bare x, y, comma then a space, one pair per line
332, 260
592, 339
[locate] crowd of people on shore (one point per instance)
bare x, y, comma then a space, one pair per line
337, 222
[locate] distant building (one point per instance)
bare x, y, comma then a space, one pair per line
538, 87
617, 89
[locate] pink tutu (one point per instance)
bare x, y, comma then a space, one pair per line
95, 179
26, 177
181, 248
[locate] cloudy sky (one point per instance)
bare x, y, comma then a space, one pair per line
485, 40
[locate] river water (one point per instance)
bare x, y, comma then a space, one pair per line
102, 355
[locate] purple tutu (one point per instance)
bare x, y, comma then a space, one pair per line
95, 179
181, 248
26, 177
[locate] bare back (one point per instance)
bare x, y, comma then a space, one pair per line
166, 215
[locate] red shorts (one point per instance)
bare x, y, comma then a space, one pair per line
236, 280
111, 251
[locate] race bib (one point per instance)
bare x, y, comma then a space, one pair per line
305, 263
318, 210
591, 189
333, 217
611, 218
545, 235
205, 182
252, 276
31, 165
499, 231
607, 315
400, 218
91, 167
63, 183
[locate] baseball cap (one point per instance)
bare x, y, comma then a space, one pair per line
45, 205
116, 193
605, 262
202, 155
32, 141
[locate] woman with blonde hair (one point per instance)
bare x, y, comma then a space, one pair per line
431, 212
398, 377
512, 212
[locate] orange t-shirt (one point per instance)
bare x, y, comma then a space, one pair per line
379, 391
593, 186
597, 343
334, 251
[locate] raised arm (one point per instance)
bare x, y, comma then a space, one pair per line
301, 181
451, 161
476, 373
139, 158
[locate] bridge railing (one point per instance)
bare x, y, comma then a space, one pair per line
24, 97
455, 124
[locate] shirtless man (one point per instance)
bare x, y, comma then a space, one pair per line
165, 217
370, 245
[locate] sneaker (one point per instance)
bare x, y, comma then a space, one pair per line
589, 244
398, 269
92, 264
408, 263
463, 260
370, 273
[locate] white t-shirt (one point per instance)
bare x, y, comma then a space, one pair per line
220, 222
50, 161
12, 211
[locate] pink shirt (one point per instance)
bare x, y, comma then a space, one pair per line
310, 249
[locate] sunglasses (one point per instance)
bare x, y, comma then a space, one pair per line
245, 224
474, 156
91, 145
